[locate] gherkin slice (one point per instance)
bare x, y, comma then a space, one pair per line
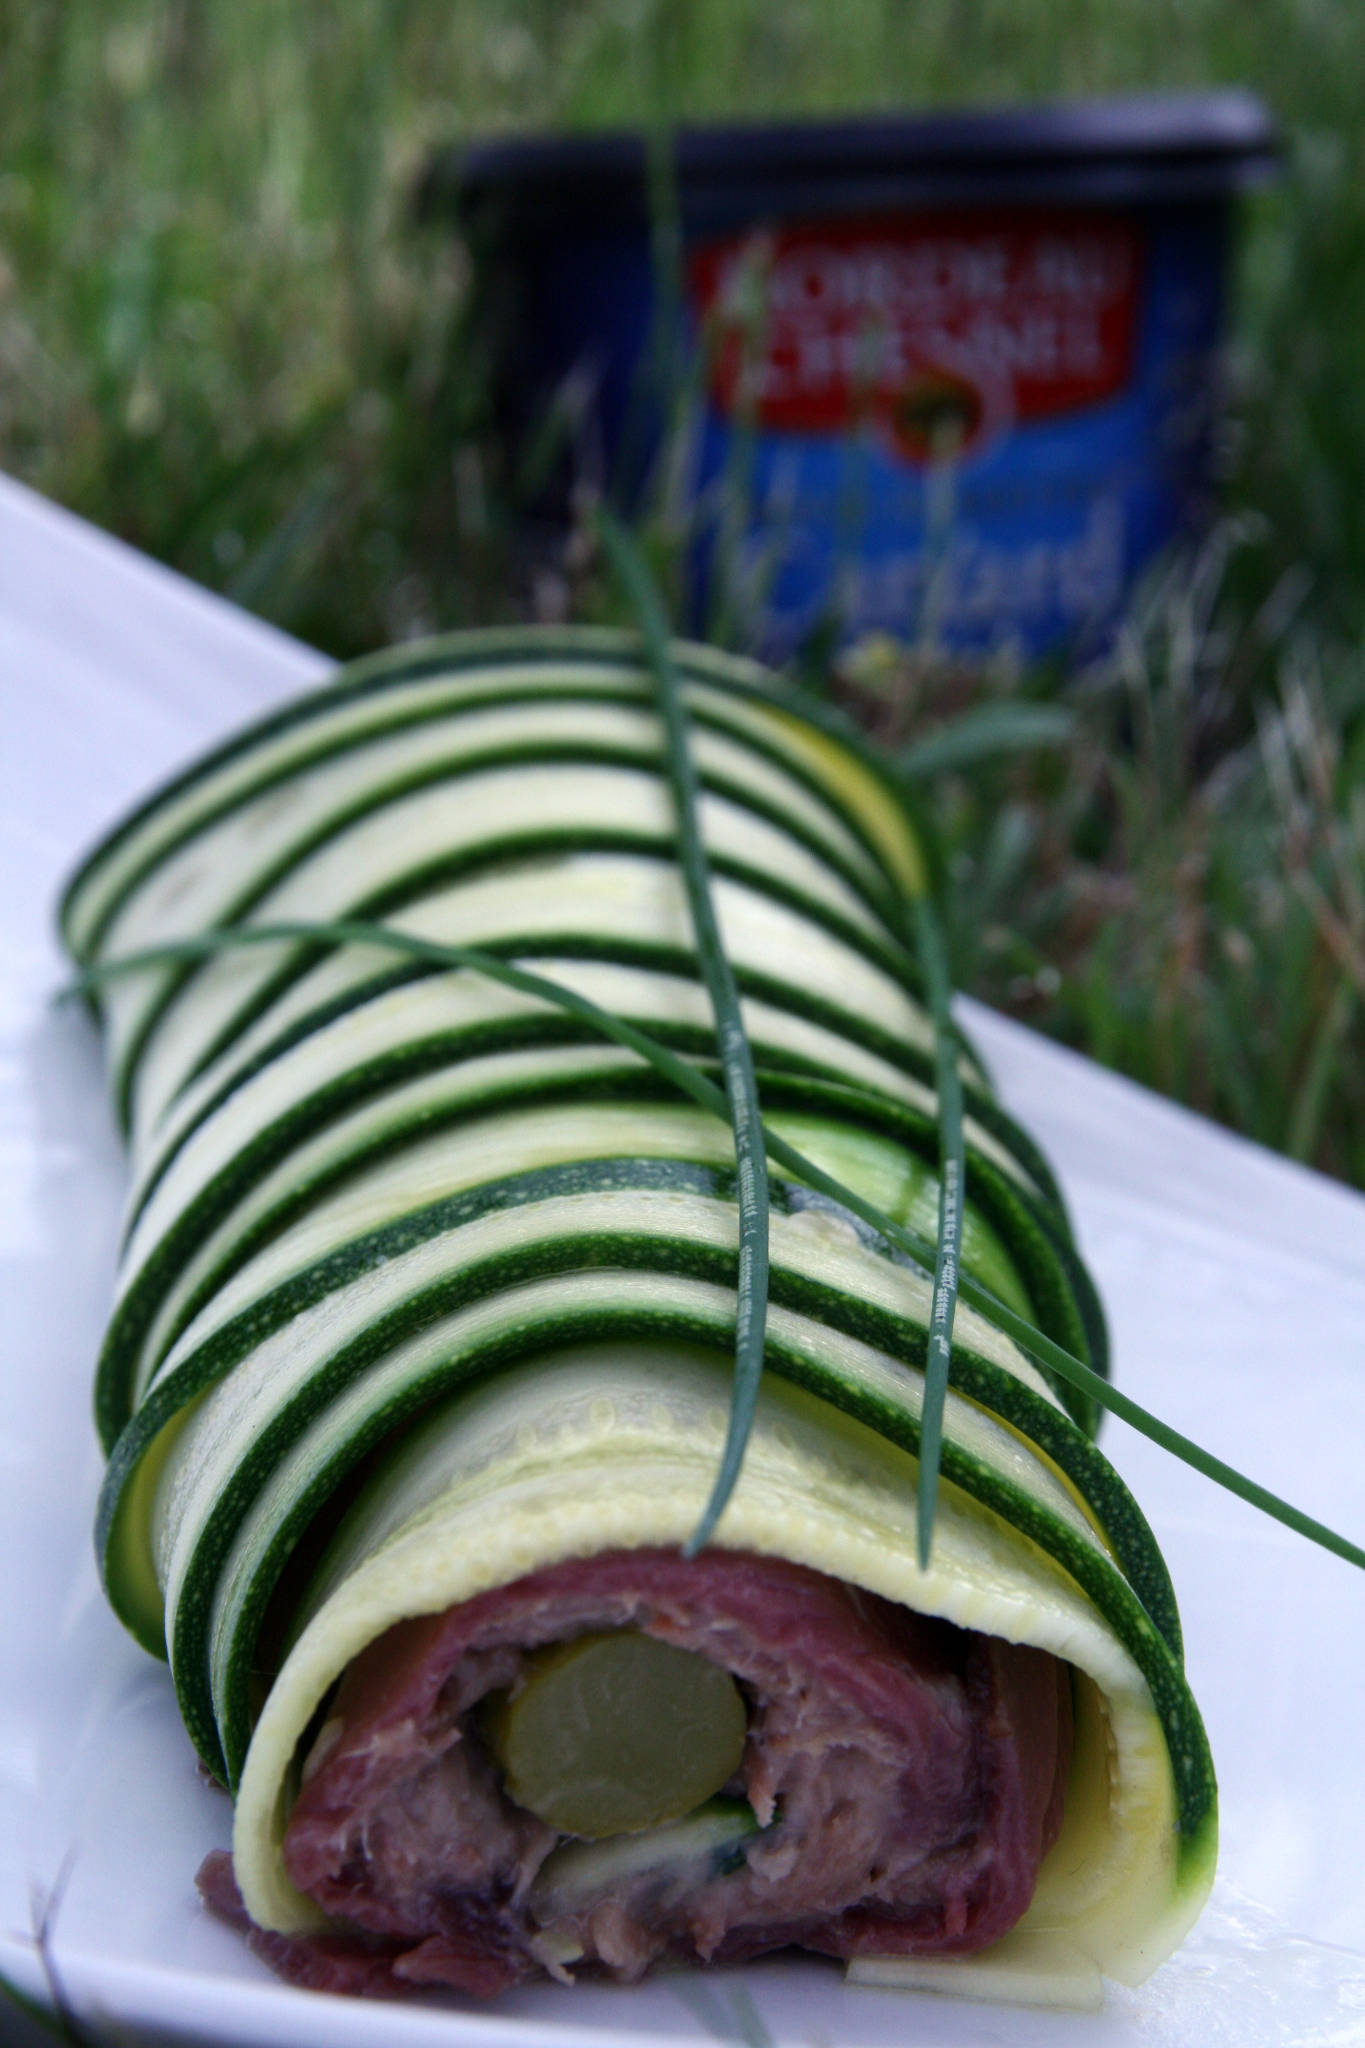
613, 1733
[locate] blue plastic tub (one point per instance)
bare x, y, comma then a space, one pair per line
953, 378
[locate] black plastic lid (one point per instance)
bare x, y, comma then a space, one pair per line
1095, 152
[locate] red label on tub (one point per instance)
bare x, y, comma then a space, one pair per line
941, 329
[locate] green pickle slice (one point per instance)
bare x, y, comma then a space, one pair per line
613, 1733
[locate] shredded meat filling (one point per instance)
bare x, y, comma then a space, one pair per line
907, 1775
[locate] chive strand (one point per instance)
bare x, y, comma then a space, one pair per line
436, 953
1141, 1419
952, 1197
736, 1054
692, 1082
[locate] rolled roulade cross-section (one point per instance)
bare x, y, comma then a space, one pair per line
418, 1372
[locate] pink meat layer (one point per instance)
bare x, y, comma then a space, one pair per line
908, 1776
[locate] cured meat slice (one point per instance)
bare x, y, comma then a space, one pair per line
907, 1777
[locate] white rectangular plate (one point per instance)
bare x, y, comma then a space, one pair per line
1236, 1289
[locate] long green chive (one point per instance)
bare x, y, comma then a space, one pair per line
361, 932
692, 1082
952, 1198
742, 1090
736, 1054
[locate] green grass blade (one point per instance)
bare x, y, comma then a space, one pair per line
736, 1054
39, 2015
56, 2015
984, 734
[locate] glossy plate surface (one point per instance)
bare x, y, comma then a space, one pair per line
1236, 1288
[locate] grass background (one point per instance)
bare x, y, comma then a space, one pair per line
223, 337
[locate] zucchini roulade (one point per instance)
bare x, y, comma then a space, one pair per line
420, 1368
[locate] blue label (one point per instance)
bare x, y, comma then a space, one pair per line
968, 430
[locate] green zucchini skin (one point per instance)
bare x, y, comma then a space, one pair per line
1053, 1289
302, 1291
480, 661
900, 1335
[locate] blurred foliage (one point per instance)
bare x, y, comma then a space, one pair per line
224, 337
1179, 888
